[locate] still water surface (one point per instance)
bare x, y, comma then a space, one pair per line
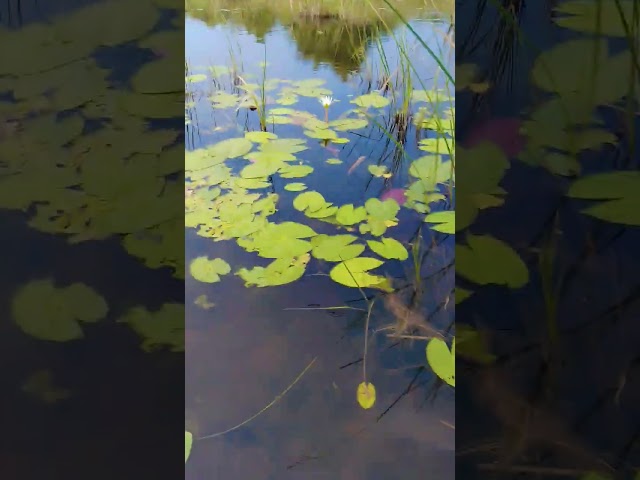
248, 348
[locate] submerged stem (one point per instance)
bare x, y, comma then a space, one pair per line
273, 402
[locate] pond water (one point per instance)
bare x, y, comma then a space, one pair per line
75, 393
558, 306
252, 327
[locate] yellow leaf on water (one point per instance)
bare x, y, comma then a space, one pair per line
366, 395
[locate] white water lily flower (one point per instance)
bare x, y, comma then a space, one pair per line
326, 101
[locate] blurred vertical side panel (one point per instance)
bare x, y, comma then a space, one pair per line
547, 233
91, 214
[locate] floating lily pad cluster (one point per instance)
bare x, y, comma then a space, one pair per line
228, 186
118, 179
223, 205
555, 134
78, 155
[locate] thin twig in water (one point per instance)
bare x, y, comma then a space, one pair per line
273, 402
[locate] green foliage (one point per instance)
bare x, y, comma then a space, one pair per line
52, 313
188, 443
208, 271
442, 360
159, 329
389, 248
335, 248
355, 273
476, 262
620, 192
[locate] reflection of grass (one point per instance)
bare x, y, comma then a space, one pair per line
288, 11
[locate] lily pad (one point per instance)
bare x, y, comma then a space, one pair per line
389, 248
279, 272
371, 100
208, 271
47, 312
354, 273
366, 395
188, 443
311, 201
158, 329
295, 187
620, 192
445, 221
487, 260
336, 248
350, 215
260, 137
441, 360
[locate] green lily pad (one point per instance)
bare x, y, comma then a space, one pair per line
445, 221
196, 78
295, 187
349, 215
620, 192
378, 170
261, 169
231, 148
349, 124
311, 201
462, 294
354, 273
47, 312
188, 443
161, 328
295, 171
158, 76
441, 360
336, 248
208, 271
279, 272
473, 346
260, 137
389, 248
487, 260
371, 100
607, 18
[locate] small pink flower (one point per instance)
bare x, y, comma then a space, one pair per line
503, 132
395, 193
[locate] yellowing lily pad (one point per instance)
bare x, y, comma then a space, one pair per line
366, 395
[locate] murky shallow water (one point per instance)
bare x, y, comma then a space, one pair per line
243, 352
